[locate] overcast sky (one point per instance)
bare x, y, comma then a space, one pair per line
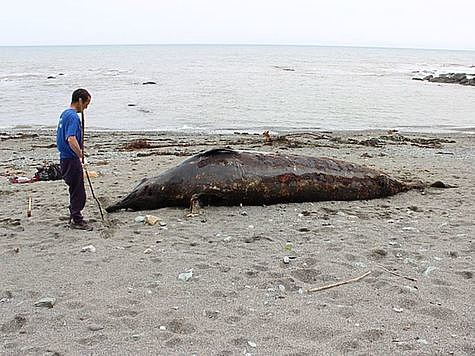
383, 23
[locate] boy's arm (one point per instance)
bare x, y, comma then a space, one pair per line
74, 144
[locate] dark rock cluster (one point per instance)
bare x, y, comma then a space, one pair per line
452, 78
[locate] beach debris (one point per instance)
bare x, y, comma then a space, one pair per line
338, 283
148, 251
95, 327
267, 138
397, 274
398, 310
88, 248
47, 302
91, 174
22, 180
149, 83
185, 276
136, 145
252, 344
151, 220
286, 260
288, 246
139, 219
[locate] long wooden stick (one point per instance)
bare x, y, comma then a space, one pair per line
338, 283
83, 126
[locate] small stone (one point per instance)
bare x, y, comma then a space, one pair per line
47, 302
162, 224
148, 251
139, 219
281, 287
252, 344
286, 260
95, 327
378, 253
244, 213
136, 336
185, 276
398, 310
88, 248
453, 254
163, 327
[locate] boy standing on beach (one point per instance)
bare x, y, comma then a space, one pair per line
69, 144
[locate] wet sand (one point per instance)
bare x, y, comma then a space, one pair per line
126, 298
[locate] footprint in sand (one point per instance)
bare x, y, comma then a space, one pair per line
13, 325
120, 313
306, 275
180, 326
92, 340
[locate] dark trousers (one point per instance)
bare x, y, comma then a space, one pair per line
72, 173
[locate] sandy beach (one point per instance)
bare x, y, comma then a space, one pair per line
252, 266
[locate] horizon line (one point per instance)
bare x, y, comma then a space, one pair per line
237, 44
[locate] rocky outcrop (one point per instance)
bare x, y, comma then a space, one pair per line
451, 78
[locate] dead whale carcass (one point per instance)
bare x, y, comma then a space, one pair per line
229, 177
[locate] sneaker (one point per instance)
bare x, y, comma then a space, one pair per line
81, 225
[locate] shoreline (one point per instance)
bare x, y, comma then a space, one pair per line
244, 296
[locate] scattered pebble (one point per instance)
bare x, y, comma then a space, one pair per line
139, 219
398, 310
185, 276
148, 251
95, 327
281, 287
88, 248
163, 327
286, 260
47, 302
252, 344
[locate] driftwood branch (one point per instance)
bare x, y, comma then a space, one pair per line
338, 283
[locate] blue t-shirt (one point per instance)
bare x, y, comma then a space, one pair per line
69, 125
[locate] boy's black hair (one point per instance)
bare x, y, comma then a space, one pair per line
80, 94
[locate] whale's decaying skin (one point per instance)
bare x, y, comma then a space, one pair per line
228, 177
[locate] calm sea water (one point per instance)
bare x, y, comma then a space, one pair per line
237, 88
